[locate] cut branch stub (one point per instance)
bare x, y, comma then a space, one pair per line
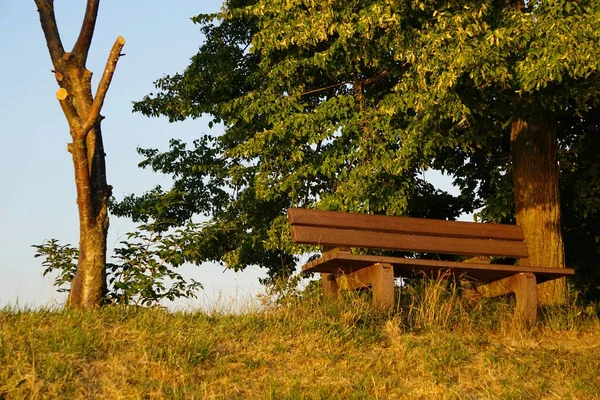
67, 107
62, 94
103, 85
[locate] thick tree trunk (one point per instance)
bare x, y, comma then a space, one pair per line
88, 288
82, 111
537, 202
89, 285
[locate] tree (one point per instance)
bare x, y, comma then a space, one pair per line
539, 63
82, 111
246, 227
344, 104
206, 182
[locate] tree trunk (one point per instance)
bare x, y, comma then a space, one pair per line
89, 284
537, 203
82, 111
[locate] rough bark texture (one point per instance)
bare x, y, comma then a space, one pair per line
82, 111
537, 202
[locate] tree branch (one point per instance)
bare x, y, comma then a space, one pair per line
109, 70
519, 4
376, 78
322, 89
48, 22
82, 46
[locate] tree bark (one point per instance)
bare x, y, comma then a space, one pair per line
537, 202
533, 148
82, 111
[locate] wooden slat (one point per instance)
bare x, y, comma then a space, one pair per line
417, 243
334, 261
419, 226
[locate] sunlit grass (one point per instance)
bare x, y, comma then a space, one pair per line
435, 344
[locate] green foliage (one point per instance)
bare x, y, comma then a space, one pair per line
61, 259
200, 183
285, 144
206, 181
144, 267
343, 106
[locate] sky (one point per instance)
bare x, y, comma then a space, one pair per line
37, 200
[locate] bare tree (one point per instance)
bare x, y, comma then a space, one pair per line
82, 111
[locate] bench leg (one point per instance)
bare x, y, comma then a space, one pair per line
382, 283
378, 277
524, 286
329, 284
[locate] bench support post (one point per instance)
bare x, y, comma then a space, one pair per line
329, 284
378, 277
524, 286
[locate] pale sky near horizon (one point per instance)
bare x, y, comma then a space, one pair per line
36, 175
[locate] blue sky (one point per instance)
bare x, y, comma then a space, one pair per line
36, 175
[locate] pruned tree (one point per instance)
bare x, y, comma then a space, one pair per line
82, 111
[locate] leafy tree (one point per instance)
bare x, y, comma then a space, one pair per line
82, 111
537, 62
206, 181
248, 225
342, 105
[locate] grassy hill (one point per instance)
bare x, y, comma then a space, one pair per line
434, 345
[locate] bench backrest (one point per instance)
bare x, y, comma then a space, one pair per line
340, 229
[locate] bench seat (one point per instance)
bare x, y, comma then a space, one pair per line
337, 261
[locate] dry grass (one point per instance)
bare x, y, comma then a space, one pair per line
303, 349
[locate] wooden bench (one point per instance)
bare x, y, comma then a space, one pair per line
338, 232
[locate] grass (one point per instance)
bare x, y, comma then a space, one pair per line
434, 345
